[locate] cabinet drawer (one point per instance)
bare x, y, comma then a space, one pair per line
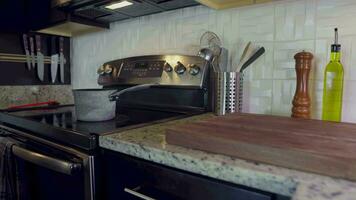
161, 182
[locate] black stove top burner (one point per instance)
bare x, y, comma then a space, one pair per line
66, 119
60, 124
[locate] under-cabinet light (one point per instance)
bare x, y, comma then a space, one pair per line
118, 5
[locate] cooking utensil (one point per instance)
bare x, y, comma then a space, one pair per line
94, 105
248, 51
54, 59
32, 48
116, 95
27, 52
253, 58
211, 41
40, 59
100, 104
208, 55
34, 105
61, 59
223, 60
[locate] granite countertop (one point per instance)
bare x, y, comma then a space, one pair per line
149, 143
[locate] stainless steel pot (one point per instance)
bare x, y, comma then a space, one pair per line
94, 105
100, 104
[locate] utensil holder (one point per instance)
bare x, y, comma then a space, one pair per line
228, 89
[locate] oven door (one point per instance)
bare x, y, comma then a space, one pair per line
49, 171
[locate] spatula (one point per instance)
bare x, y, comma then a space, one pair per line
245, 55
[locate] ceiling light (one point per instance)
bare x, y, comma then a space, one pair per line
117, 5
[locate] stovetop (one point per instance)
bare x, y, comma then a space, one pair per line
60, 124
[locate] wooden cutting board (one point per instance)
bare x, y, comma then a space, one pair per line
309, 145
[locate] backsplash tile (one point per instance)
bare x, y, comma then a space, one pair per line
284, 63
282, 27
295, 20
283, 93
335, 13
257, 23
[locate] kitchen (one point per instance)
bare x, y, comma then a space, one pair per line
175, 126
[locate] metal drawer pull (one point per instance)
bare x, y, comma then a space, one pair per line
46, 161
139, 195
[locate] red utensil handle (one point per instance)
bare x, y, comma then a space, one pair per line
49, 103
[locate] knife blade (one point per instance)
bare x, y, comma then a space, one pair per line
40, 59
32, 48
27, 52
61, 58
54, 59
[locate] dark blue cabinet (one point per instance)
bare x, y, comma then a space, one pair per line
128, 177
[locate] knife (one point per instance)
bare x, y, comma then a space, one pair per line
40, 59
54, 59
32, 48
61, 58
27, 52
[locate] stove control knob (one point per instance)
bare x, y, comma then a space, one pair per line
101, 70
167, 67
194, 69
180, 68
108, 69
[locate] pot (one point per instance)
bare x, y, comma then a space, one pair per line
94, 104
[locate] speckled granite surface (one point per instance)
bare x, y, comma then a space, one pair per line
17, 95
149, 143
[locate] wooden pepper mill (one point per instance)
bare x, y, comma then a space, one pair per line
301, 101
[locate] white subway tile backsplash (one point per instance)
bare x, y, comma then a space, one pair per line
284, 63
257, 23
335, 13
283, 93
257, 96
295, 20
282, 27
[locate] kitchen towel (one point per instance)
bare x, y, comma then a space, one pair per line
8, 171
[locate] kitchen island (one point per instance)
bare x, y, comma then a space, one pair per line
149, 143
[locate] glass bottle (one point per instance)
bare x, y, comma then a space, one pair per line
333, 85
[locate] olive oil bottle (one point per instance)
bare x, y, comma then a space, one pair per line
333, 85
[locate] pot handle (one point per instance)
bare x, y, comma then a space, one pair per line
115, 96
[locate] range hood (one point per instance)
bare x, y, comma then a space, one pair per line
98, 10
75, 17
62, 22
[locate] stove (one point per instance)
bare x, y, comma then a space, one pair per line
53, 140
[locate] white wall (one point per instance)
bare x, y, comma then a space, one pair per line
283, 28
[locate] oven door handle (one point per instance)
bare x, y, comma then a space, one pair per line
51, 163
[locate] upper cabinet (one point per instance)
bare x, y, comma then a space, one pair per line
223, 4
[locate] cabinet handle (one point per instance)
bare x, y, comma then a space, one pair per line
137, 194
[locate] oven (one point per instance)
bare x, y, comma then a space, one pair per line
48, 170
58, 156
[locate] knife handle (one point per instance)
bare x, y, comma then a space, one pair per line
32, 46
38, 43
61, 44
25, 42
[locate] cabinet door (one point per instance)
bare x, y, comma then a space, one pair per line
128, 177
